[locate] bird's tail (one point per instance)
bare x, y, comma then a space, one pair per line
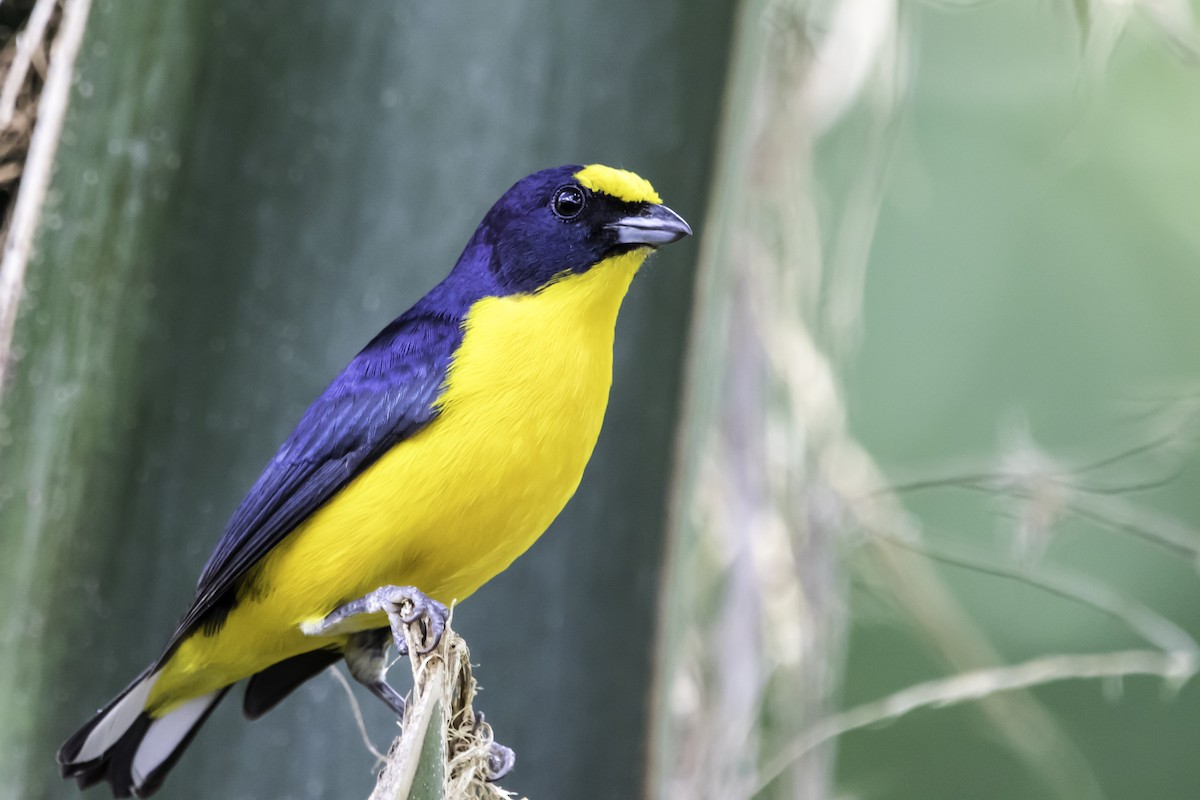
124, 745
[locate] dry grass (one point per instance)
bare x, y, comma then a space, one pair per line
443, 694
24, 59
39, 144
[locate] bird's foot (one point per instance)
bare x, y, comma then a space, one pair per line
500, 761
366, 656
403, 605
410, 606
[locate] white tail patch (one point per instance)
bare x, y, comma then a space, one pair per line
118, 719
166, 733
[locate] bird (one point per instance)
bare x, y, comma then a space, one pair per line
434, 459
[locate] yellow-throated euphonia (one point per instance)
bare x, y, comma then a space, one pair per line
444, 449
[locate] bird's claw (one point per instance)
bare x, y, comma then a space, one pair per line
403, 605
500, 761
407, 606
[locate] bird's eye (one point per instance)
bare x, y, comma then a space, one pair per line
568, 202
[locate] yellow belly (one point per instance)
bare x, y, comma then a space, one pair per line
454, 505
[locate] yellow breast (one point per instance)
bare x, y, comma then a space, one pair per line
454, 505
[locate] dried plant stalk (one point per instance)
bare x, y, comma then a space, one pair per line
443, 749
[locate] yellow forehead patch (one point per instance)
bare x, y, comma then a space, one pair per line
618, 183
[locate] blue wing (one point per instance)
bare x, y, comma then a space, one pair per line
385, 395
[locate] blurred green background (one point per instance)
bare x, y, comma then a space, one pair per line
1035, 273
246, 192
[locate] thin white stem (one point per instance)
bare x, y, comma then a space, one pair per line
28, 42
357, 711
35, 179
1156, 629
978, 684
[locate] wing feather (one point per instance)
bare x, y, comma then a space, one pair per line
385, 395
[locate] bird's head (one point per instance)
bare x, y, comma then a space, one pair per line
566, 220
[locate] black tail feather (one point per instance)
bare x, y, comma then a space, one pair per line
154, 780
276, 682
115, 764
70, 748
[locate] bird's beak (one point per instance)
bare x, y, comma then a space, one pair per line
654, 226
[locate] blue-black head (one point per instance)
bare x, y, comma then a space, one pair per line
565, 220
